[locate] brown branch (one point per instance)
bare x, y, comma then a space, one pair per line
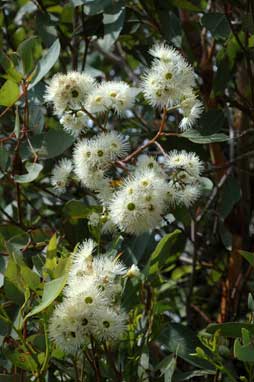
153, 140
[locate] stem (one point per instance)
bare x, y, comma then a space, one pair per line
193, 274
153, 140
93, 119
47, 353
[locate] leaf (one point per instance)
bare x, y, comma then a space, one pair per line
249, 256
230, 195
113, 24
25, 51
51, 261
13, 285
9, 68
55, 142
217, 24
230, 329
244, 351
17, 123
9, 378
46, 63
185, 4
78, 210
196, 136
4, 159
13, 235
20, 358
179, 376
9, 93
51, 291
170, 246
181, 340
33, 169
170, 24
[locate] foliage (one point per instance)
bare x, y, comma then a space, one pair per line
191, 309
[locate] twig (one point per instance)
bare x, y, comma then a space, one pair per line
153, 140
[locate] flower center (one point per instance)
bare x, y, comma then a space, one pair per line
74, 93
88, 300
131, 206
106, 324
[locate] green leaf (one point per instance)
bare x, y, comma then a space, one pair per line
217, 24
20, 358
25, 51
179, 376
51, 260
78, 210
230, 195
185, 4
244, 352
46, 63
9, 93
4, 159
170, 24
250, 302
14, 236
113, 24
9, 68
249, 256
17, 123
55, 142
9, 378
196, 136
230, 329
170, 247
33, 169
251, 42
51, 291
180, 340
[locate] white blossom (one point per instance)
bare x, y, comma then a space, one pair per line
60, 174
112, 95
139, 204
74, 122
69, 91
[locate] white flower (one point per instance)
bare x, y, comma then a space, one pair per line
189, 194
133, 271
164, 53
109, 325
82, 259
146, 162
116, 144
191, 108
184, 186
69, 91
93, 157
74, 122
139, 204
168, 79
112, 95
107, 269
182, 160
60, 174
94, 219
69, 325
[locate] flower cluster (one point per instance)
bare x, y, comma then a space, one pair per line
170, 82
76, 95
138, 206
93, 157
60, 174
91, 304
185, 180
137, 202
112, 95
